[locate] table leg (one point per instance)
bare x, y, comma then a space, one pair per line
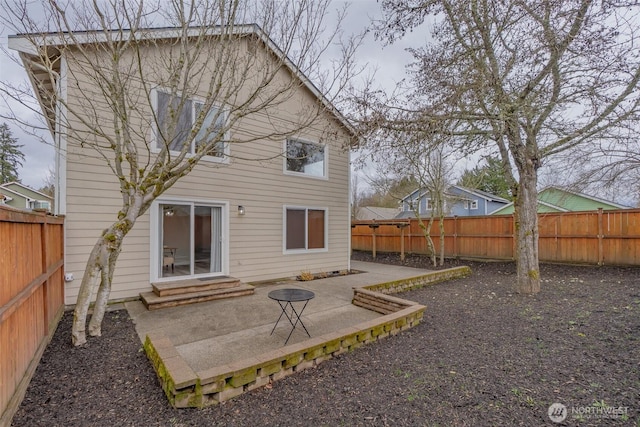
291, 317
280, 317
299, 319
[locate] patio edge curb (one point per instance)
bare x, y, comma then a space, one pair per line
185, 388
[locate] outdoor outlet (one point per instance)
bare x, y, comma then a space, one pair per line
68, 277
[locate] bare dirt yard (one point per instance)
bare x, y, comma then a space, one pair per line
483, 356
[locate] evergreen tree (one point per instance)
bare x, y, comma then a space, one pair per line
10, 155
489, 177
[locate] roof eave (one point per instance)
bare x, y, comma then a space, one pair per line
22, 44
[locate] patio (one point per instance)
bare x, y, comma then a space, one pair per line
225, 346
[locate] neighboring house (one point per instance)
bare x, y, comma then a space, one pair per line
374, 212
20, 196
252, 220
459, 201
555, 199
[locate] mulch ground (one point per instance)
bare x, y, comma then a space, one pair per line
483, 356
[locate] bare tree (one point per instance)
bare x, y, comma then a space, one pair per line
422, 158
609, 169
530, 79
387, 189
49, 183
154, 88
355, 197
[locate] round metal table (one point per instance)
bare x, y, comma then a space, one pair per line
286, 298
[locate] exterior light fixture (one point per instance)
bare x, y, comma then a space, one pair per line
240, 210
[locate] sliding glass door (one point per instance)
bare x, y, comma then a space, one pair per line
190, 239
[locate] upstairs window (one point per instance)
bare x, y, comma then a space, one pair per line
179, 116
305, 158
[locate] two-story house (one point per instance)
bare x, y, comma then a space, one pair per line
231, 215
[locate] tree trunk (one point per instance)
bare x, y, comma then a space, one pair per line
104, 291
89, 282
99, 271
526, 225
426, 231
441, 222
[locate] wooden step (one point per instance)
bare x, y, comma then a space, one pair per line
194, 285
153, 301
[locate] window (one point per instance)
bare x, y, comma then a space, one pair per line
429, 204
176, 118
305, 158
305, 229
411, 205
39, 204
471, 204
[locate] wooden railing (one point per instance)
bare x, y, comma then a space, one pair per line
593, 237
31, 298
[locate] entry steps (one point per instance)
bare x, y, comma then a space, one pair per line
182, 292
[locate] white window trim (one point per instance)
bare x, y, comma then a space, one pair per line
154, 237
286, 251
212, 159
325, 175
470, 204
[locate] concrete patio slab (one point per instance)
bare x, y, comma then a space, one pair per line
207, 353
216, 333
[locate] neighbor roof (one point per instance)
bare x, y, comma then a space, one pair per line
479, 193
482, 194
18, 184
569, 201
547, 195
376, 212
542, 207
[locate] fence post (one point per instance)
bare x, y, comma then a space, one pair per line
514, 238
373, 227
600, 238
455, 236
410, 235
44, 232
402, 227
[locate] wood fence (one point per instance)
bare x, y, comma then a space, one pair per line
593, 237
31, 298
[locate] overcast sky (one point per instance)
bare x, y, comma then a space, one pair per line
389, 63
